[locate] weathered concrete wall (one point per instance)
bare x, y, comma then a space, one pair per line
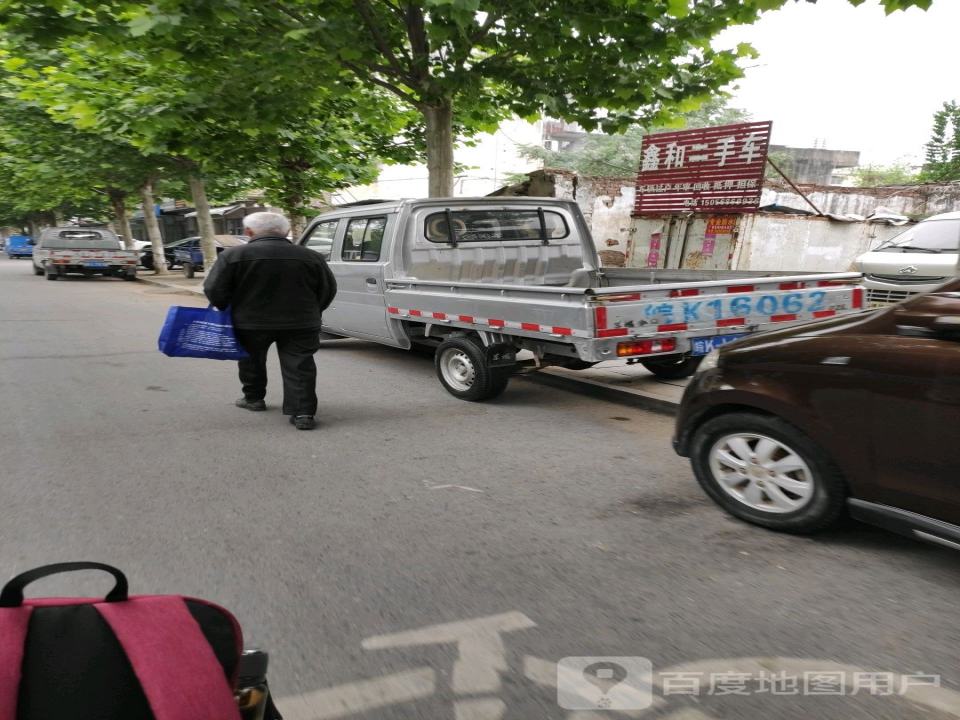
769, 241
764, 241
914, 201
607, 203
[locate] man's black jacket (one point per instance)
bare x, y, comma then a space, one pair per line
271, 284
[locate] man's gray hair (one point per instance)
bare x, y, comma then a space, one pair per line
267, 223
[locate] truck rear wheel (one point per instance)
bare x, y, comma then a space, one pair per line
672, 367
465, 372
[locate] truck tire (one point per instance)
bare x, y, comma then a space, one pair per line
672, 367
188, 270
462, 368
130, 276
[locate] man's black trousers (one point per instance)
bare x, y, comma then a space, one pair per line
299, 371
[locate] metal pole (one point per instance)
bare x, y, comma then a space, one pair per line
795, 188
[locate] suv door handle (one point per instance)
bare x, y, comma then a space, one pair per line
371, 281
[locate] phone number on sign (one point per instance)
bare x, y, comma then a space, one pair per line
689, 311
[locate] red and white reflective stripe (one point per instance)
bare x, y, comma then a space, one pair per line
495, 323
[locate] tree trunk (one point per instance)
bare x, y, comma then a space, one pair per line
297, 223
439, 122
153, 228
119, 201
204, 221
33, 228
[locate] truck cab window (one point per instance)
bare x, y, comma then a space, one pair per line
320, 239
363, 239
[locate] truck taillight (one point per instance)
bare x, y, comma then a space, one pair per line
858, 298
646, 347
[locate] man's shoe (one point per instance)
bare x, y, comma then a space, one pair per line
254, 405
303, 422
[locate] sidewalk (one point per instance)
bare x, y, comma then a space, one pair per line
174, 280
613, 379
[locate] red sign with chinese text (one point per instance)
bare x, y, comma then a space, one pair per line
715, 170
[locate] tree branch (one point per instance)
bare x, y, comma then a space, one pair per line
420, 48
365, 72
370, 21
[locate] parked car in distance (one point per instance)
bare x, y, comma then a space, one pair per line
790, 428
19, 246
918, 260
82, 250
146, 254
190, 256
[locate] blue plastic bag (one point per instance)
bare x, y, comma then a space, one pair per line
200, 333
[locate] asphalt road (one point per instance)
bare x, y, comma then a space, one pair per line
560, 524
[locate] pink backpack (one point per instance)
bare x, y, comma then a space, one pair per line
164, 657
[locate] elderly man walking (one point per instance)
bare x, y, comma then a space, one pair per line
277, 292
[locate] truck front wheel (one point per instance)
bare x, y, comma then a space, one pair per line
465, 372
672, 367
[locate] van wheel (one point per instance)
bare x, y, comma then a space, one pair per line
765, 471
672, 367
188, 270
463, 370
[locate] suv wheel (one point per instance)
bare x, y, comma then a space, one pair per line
765, 471
38, 270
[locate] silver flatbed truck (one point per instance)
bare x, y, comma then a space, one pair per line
478, 280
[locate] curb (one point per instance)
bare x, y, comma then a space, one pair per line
592, 388
171, 285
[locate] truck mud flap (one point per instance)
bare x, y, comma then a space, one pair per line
501, 355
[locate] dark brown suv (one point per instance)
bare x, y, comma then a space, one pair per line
788, 429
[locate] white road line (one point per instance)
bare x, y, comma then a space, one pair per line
352, 698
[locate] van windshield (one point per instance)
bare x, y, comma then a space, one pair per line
81, 239
933, 236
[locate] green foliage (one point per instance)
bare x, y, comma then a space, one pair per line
617, 155
942, 161
881, 175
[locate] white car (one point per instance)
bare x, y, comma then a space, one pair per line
918, 260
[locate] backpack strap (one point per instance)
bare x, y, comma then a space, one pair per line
175, 665
13, 637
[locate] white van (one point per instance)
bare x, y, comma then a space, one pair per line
918, 260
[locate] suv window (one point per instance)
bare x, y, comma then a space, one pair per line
495, 226
321, 237
363, 239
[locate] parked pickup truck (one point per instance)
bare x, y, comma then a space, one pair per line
88, 251
478, 280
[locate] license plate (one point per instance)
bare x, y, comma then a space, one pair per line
703, 345
95, 264
875, 305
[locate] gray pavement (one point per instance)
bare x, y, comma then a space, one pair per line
543, 525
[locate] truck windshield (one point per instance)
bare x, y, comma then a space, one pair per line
929, 236
494, 226
82, 239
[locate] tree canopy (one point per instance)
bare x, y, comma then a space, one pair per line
942, 160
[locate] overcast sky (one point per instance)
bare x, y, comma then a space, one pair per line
852, 78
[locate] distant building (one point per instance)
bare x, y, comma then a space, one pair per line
814, 166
